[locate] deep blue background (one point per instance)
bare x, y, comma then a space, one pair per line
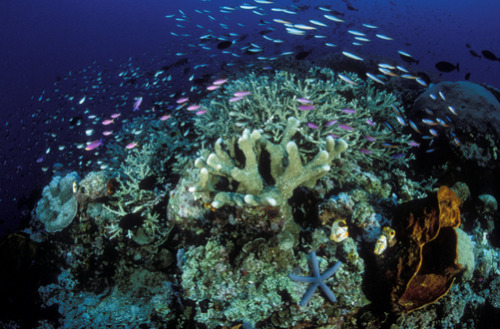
41, 40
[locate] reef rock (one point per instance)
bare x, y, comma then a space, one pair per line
92, 188
465, 118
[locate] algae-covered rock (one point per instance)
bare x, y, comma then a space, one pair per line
489, 203
465, 251
249, 289
184, 207
92, 187
494, 296
58, 205
470, 120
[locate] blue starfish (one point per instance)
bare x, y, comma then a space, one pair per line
316, 280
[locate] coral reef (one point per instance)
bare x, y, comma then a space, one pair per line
214, 220
167, 143
58, 206
92, 188
111, 308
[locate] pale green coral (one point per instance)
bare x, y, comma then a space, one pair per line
286, 171
130, 198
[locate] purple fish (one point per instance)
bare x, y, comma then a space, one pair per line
304, 101
330, 123
345, 127
213, 87
414, 144
370, 138
306, 107
235, 99
219, 82
241, 93
333, 136
193, 107
348, 111
95, 144
312, 125
365, 151
370, 122
137, 104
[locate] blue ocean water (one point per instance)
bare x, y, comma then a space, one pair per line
68, 65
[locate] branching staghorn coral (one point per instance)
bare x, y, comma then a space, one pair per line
326, 106
168, 140
131, 199
257, 183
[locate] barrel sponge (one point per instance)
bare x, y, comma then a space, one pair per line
58, 206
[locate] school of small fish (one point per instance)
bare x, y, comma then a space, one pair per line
87, 106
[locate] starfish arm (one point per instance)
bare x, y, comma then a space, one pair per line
314, 264
309, 294
328, 292
331, 271
299, 278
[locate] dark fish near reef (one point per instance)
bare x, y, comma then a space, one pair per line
447, 67
489, 55
224, 45
467, 76
302, 55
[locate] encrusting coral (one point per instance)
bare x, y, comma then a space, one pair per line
58, 206
258, 183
